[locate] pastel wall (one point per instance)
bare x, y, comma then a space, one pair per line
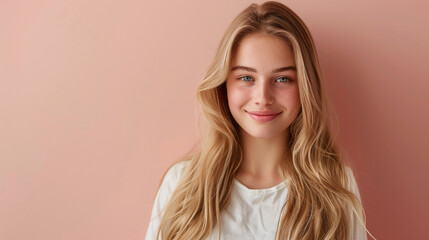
97, 99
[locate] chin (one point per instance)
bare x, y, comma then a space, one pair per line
263, 134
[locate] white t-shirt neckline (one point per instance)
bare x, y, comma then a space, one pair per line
241, 187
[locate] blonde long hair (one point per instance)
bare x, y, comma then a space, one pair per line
319, 205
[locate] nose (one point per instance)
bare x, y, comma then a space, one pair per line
263, 94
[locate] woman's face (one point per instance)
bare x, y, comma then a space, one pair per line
262, 86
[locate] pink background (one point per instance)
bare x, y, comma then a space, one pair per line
97, 98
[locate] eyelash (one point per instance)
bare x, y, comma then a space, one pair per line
288, 79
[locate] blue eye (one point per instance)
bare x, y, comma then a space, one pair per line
283, 79
245, 78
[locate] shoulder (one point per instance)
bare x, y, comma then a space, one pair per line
352, 184
172, 177
357, 231
168, 185
175, 172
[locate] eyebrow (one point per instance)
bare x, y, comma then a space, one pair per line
277, 70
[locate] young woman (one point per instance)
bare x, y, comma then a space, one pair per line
267, 167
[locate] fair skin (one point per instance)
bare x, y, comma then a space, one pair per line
263, 98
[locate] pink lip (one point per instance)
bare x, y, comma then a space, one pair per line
263, 116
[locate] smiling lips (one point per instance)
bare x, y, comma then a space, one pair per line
263, 116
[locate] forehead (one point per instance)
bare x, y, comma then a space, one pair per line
263, 51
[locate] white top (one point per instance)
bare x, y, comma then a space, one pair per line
250, 214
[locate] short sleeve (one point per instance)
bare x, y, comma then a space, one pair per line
167, 187
357, 231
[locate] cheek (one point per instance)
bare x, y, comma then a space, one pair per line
236, 98
291, 99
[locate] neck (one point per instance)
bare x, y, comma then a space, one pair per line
262, 157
